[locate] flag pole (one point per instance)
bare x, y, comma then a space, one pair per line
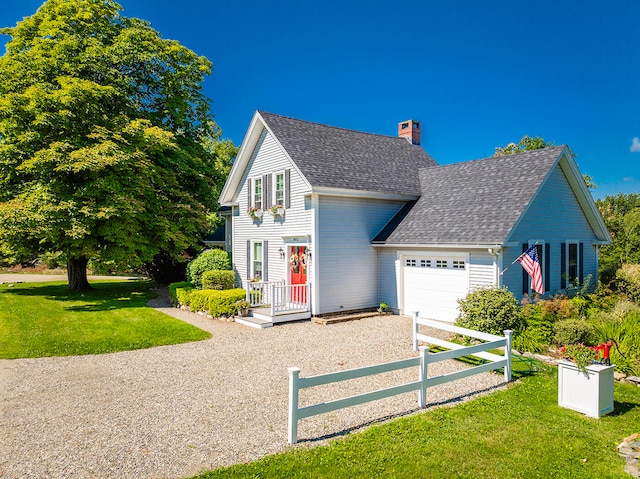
514, 261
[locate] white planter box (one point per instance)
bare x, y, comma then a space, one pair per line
590, 393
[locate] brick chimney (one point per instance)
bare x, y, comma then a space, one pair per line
410, 130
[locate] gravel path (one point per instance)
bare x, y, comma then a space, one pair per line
174, 411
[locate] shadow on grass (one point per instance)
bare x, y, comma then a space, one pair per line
620, 408
449, 402
105, 295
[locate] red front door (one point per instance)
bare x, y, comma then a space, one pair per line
298, 270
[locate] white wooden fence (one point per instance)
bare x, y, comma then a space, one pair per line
496, 361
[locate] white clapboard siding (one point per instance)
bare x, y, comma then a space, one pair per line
388, 275
269, 158
554, 217
348, 264
482, 272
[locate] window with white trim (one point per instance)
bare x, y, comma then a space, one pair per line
278, 189
256, 263
257, 193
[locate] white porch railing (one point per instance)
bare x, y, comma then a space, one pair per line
280, 297
496, 361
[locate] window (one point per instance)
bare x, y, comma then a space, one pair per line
571, 264
257, 193
442, 263
278, 189
410, 262
257, 260
572, 256
458, 264
425, 263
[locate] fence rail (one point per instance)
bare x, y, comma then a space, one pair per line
296, 383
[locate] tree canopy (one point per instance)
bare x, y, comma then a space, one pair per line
108, 149
621, 214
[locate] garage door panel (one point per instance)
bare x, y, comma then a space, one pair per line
434, 292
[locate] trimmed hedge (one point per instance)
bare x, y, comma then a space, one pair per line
218, 279
490, 310
173, 291
216, 302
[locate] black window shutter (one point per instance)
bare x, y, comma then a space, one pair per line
525, 276
267, 191
547, 267
563, 265
287, 185
265, 178
265, 260
581, 262
249, 193
248, 260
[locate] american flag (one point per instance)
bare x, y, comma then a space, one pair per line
531, 264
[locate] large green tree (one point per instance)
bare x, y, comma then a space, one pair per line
103, 126
621, 214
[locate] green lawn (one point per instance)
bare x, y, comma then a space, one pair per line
46, 319
519, 432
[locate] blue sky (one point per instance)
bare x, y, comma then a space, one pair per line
476, 74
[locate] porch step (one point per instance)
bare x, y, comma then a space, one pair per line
254, 322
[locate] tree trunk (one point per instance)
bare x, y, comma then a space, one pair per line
77, 274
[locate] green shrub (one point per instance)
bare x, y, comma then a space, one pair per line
628, 279
177, 291
218, 279
207, 261
536, 331
224, 303
622, 324
572, 331
491, 310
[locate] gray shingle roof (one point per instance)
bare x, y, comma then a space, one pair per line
472, 202
338, 158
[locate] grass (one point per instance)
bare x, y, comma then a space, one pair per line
46, 319
519, 432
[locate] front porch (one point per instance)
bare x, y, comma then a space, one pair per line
276, 302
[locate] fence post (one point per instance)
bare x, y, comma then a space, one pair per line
507, 354
422, 392
248, 293
415, 330
294, 374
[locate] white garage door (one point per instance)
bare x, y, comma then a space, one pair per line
433, 285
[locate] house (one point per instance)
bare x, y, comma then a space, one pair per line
360, 218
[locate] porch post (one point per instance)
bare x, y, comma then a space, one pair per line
272, 293
294, 374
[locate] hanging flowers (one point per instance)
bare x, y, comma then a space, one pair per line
294, 262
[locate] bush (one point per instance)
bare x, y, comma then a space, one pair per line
572, 331
217, 303
628, 278
178, 292
207, 261
218, 279
536, 331
622, 325
491, 310
224, 303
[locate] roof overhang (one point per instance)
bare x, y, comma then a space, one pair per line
326, 191
478, 246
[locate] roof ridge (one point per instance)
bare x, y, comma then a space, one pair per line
262, 112
505, 157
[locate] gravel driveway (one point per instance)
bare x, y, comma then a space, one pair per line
174, 411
